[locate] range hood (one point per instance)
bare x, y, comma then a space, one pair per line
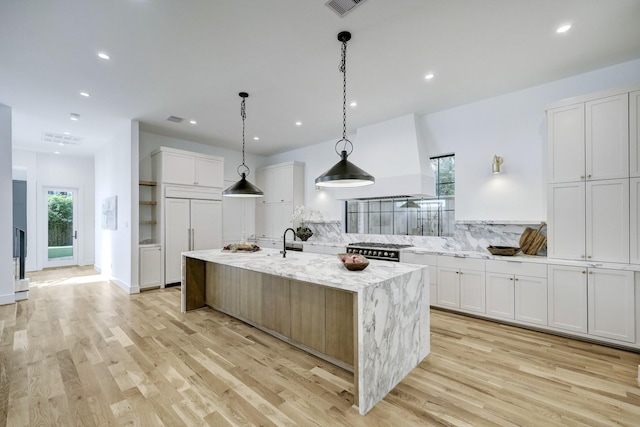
396, 154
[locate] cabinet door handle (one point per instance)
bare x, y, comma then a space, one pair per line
584, 272
589, 257
581, 176
517, 279
591, 272
193, 240
589, 176
511, 278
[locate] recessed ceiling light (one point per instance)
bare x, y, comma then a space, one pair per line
298, 123
66, 133
85, 94
103, 55
353, 104
429, 76
56, 152
193, 122
255, 138
75, 117
563, 28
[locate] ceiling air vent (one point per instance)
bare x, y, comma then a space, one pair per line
175, 119
61, 139
342, 7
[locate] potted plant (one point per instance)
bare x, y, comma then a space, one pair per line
303, 232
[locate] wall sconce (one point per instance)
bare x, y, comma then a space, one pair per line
496, 164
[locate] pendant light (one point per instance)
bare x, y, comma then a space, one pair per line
344, 173
243, 188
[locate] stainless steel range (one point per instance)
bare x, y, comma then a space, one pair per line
372, 250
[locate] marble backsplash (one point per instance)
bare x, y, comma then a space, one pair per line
468, 235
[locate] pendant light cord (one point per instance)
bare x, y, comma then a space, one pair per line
343, 70
243, 114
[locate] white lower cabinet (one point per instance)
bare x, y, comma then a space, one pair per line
150, 266
594, 301
517, 291
567, 293
531, 299
500, 295
635, 221
611, 304
461, 283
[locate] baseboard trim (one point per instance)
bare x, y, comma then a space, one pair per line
127, 288
7, 299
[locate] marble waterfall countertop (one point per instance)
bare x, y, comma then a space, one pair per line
326, 270
391, 308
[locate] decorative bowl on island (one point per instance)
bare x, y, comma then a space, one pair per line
241, 247
353, 262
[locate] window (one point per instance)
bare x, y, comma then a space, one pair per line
409, 216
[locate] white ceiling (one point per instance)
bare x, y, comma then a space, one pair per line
190, 58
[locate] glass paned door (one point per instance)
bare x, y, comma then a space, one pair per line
62, 235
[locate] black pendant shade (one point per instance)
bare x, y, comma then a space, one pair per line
243, 188
344, 173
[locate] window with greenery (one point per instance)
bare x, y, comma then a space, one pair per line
409, 216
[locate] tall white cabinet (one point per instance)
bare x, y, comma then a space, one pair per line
283, 187
189, 195
594, 215
588, 173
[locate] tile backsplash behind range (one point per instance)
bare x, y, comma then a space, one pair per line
468, 236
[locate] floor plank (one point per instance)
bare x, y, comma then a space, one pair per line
80, 351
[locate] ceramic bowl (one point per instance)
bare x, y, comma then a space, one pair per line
353, 262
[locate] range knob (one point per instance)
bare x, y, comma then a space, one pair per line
386, 254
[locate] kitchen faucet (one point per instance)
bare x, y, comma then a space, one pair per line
284, 241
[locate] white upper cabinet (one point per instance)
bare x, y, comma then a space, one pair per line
589, 140
283, 183
186, 168
283, 188
634, 135
566, 155
607, 137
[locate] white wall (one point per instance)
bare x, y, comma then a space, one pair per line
50, 170
115, 167
7, 287
512, 126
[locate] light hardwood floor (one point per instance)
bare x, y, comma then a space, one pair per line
81, 352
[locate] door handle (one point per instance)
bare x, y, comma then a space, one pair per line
75, 234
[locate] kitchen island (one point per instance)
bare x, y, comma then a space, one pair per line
373, 322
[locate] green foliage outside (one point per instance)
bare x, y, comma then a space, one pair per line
60, 219
444, 169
